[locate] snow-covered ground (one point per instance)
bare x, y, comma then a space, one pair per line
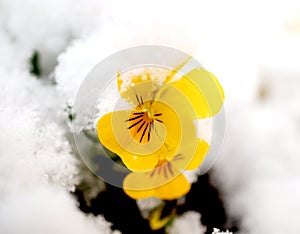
253, 47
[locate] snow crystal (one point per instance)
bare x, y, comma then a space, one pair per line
48, 26
33, 146
217, 231
33, 151
47, 209
155, 73
37, 169
192, 175
188, 223
121, 30
146, 205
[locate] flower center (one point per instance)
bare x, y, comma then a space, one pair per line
141, 121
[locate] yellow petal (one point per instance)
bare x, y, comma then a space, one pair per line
182, 128
166, 117
164, 182
138, 162
107, 137
148, 73
188, 160
155, 220
144, 82
176, 69
203, 91
142, 75
199, 156
140, 92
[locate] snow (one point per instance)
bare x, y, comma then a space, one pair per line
33, 151
259, 167
37, 169
146, 205
253, 49
25, 133
258, 171
216, 231
188, 223
48, 26
47, 209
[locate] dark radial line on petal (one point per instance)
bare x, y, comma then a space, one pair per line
159, 120
144, 132
142, 100
177, 157
159, 170
135, 123
162, 93
139, 113
141, 126
149, 131
170, 168
137, 117
165, 172
152, 97
158, 114
152, 173
137, 98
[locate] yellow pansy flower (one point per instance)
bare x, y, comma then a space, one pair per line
156, 221
157, 138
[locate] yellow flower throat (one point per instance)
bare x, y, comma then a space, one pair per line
141, 121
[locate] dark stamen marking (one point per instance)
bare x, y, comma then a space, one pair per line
159, 114
165, 172
137, 117
137, 98
139, 113
149, 132
159, 120
170, 168
141, 126
135, 123
159, 169
152, 173
142, 100
177, 157
144, 132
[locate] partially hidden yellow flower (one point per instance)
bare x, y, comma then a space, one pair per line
156, 221
157, 138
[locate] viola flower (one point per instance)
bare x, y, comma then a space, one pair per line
157, 219
157, 138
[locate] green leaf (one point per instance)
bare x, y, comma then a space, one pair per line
35, 68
